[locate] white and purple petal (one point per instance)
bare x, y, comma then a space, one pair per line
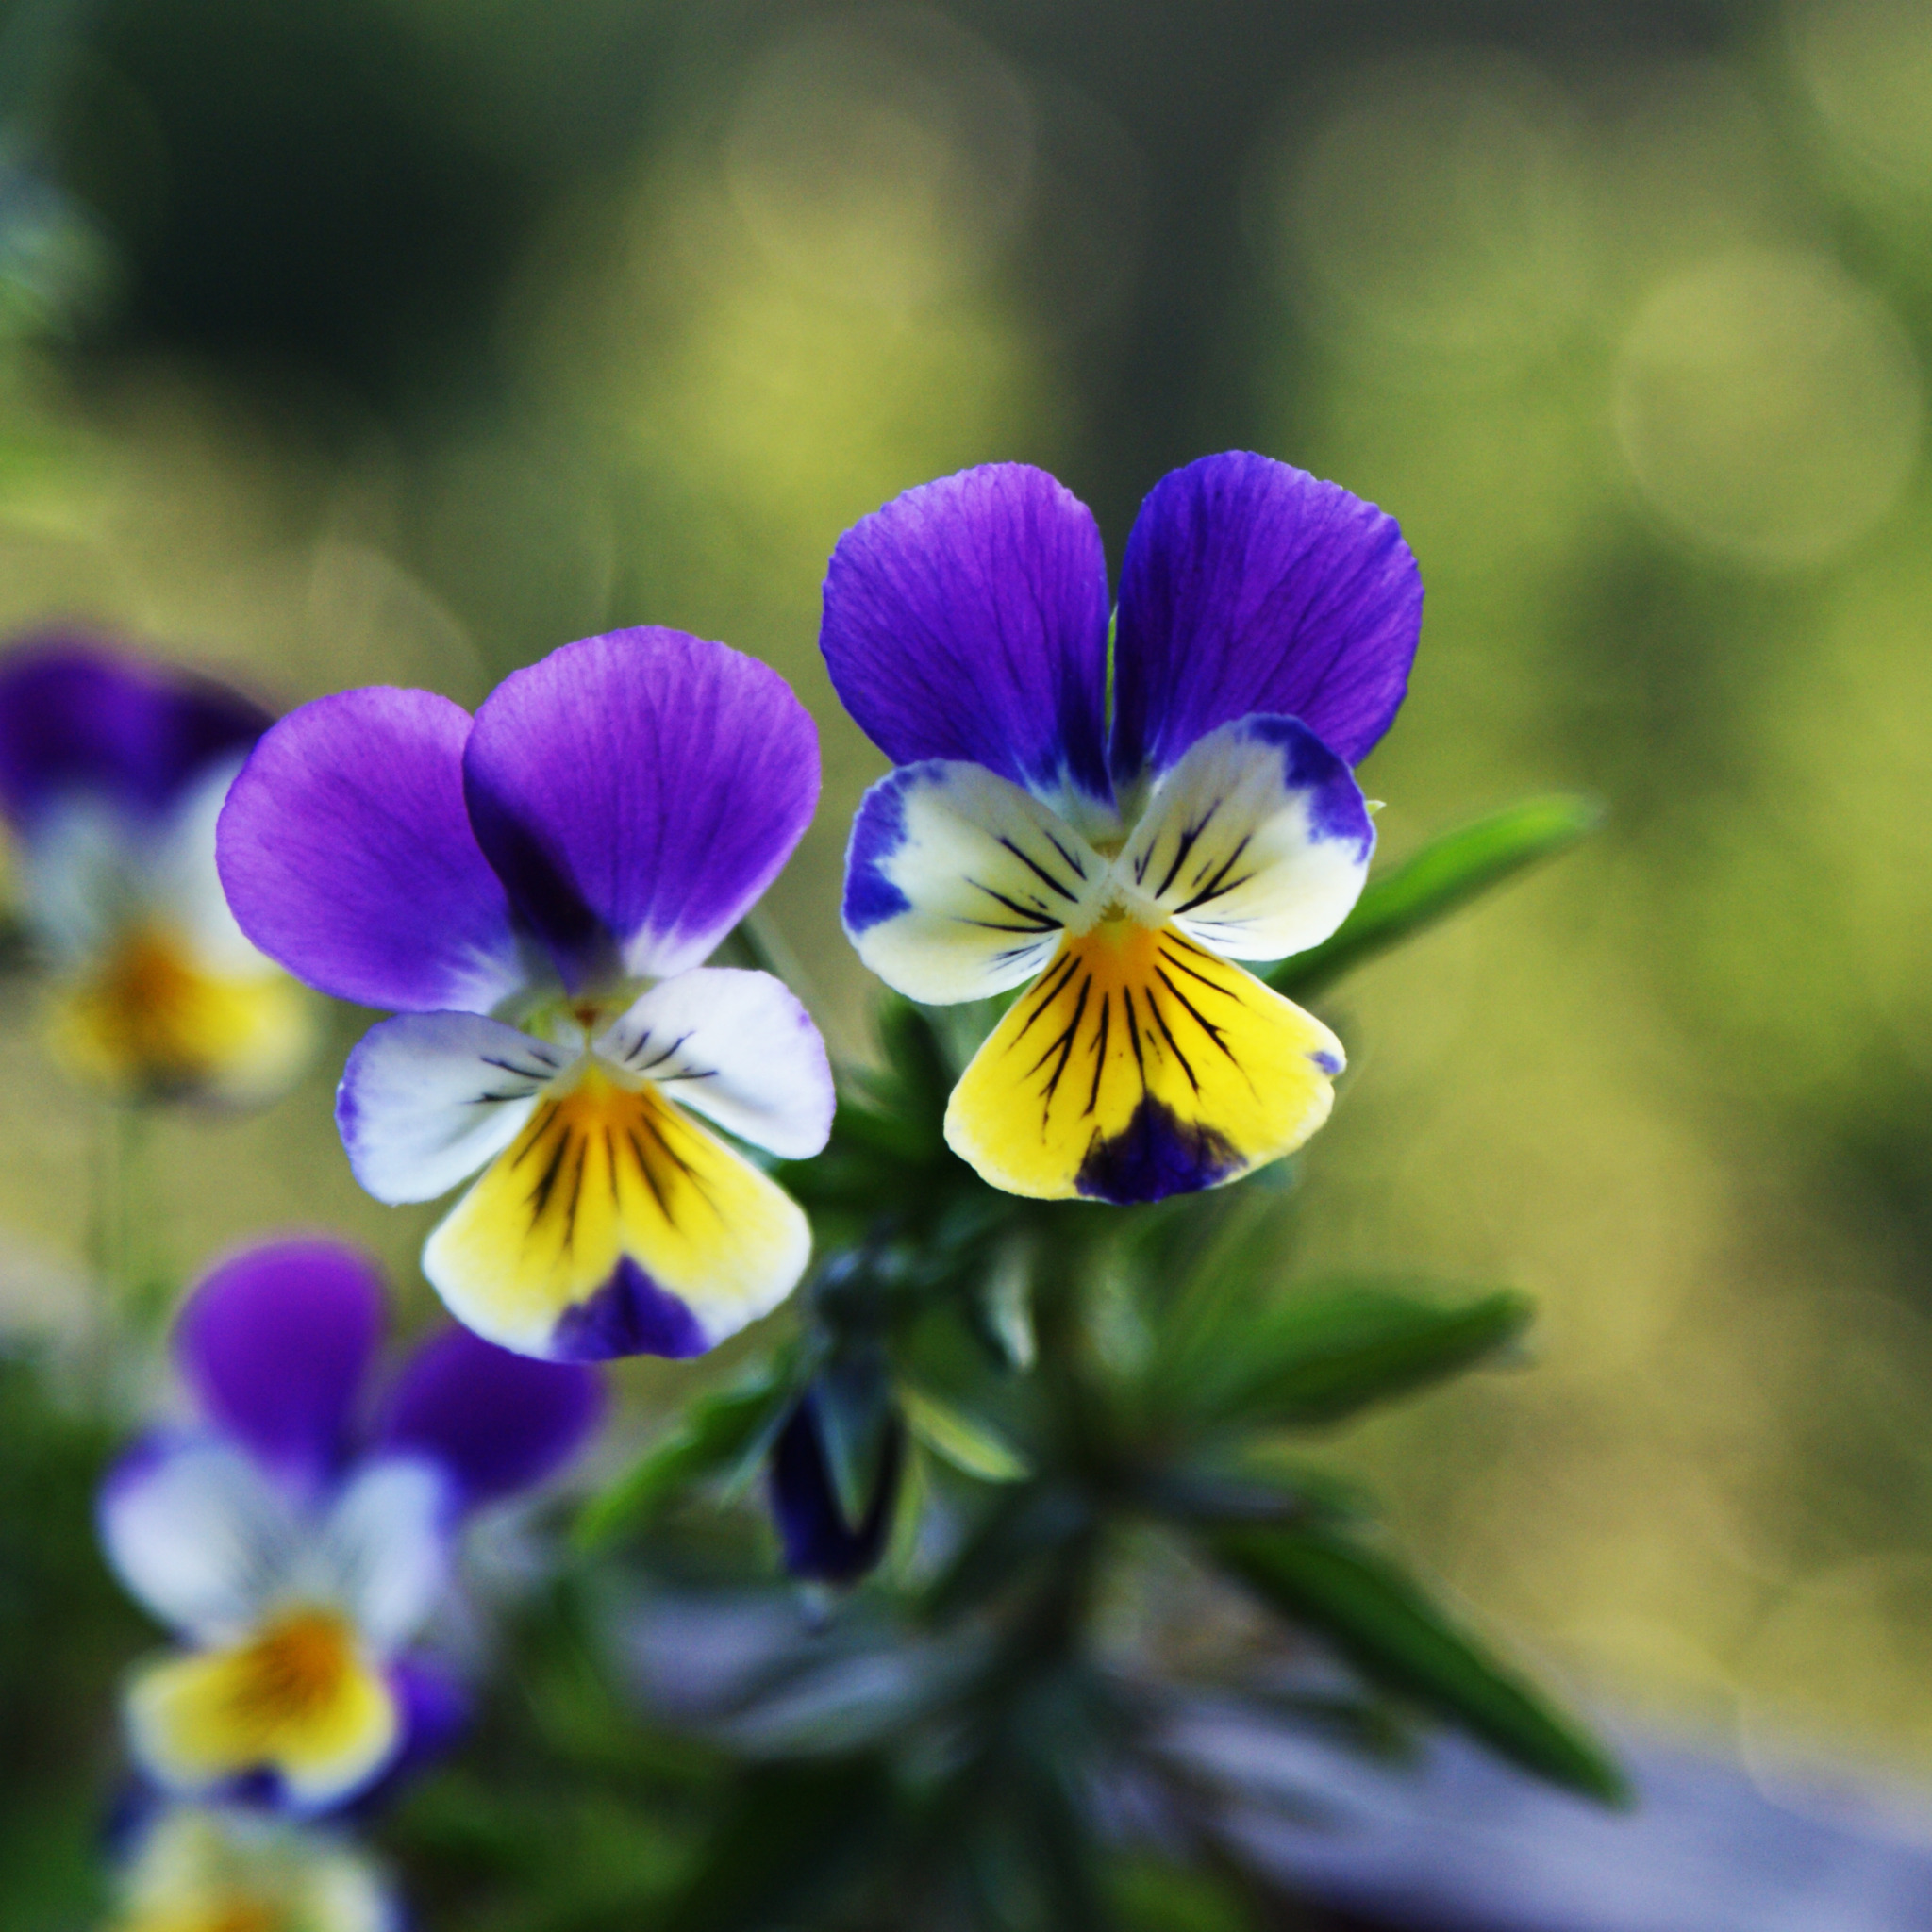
967, 620
494, 1422
346, 852
78, 718
274, 1344
428, 1098
1256, 843
1249, 585
197, 1534
384, 1552
959, 883
636, 794
736, 1047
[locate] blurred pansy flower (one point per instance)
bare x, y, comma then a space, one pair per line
298, 1542
112, 771
198, 1868
534, 889
1117, 823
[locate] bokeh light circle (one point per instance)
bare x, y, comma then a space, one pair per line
1867, 65
1769, 407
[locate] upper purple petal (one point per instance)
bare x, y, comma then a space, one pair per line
636, 793
1249, 585
77, 717
967, 618
496, 1422
346, 852
276, 1343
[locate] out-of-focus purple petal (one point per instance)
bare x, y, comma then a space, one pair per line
967, 618
346, 854
436, 1710
636, 793
816, 1541
1249, 585
496, 1422
276, 1343
75, 716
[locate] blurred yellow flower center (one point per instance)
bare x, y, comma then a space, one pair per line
291, 1670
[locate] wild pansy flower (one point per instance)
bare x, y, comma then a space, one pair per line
1117, 822
298, 1540
533, 891
195, 1868
112, 771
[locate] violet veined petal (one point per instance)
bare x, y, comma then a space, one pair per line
384, 1552
494, 1422
736, 1047
957, 883
967, 620
636, 793
1256, 843
346, 852
77, 717
274, 1344
428, 1098
1249, 585
196, 1533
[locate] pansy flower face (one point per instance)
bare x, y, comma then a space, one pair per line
299, 1548
111, 773
533, 891
199, 1868
1118, 826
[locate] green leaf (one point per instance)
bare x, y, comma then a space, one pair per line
1324, 1354
1440, 879
1385, 1624
852, 1396
968, 1442
722, 1432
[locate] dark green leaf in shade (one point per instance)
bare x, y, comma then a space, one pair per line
722, 1433
1383, 1620
1323, 1354
853, 1394
1437, 880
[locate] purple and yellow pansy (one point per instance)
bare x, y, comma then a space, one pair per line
1117, 812
112, 770
533, 891
298, 1539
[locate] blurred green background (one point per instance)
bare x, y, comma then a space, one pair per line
400, 341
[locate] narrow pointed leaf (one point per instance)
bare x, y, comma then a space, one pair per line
1384, 1622
853, 1399
721, 1433
1431, 884
967, 1442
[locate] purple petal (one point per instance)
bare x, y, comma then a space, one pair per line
435, 1711
496, 1422
76, 717
274, 1344
968, 619
629, 1315
636, 793
1249, 585
346, 852
816, 1541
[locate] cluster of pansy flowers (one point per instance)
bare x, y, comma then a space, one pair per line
1098, 805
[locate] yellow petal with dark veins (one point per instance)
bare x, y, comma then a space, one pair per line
1139, 1065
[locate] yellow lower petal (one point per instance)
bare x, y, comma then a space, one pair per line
616, 1225
299, 1698
151, 1020
1139, 1065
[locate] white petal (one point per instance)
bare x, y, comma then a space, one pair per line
182, 885
383, 1554
957, 883
197, 1533
736, 1047
1256, 844
79, 874
428, 1098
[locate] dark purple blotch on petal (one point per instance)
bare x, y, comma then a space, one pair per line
77, 717
878, 830
274, 1344
1250, 586
629, 1315
495, 1422
1156, 1154
1337, 813
817, 1542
